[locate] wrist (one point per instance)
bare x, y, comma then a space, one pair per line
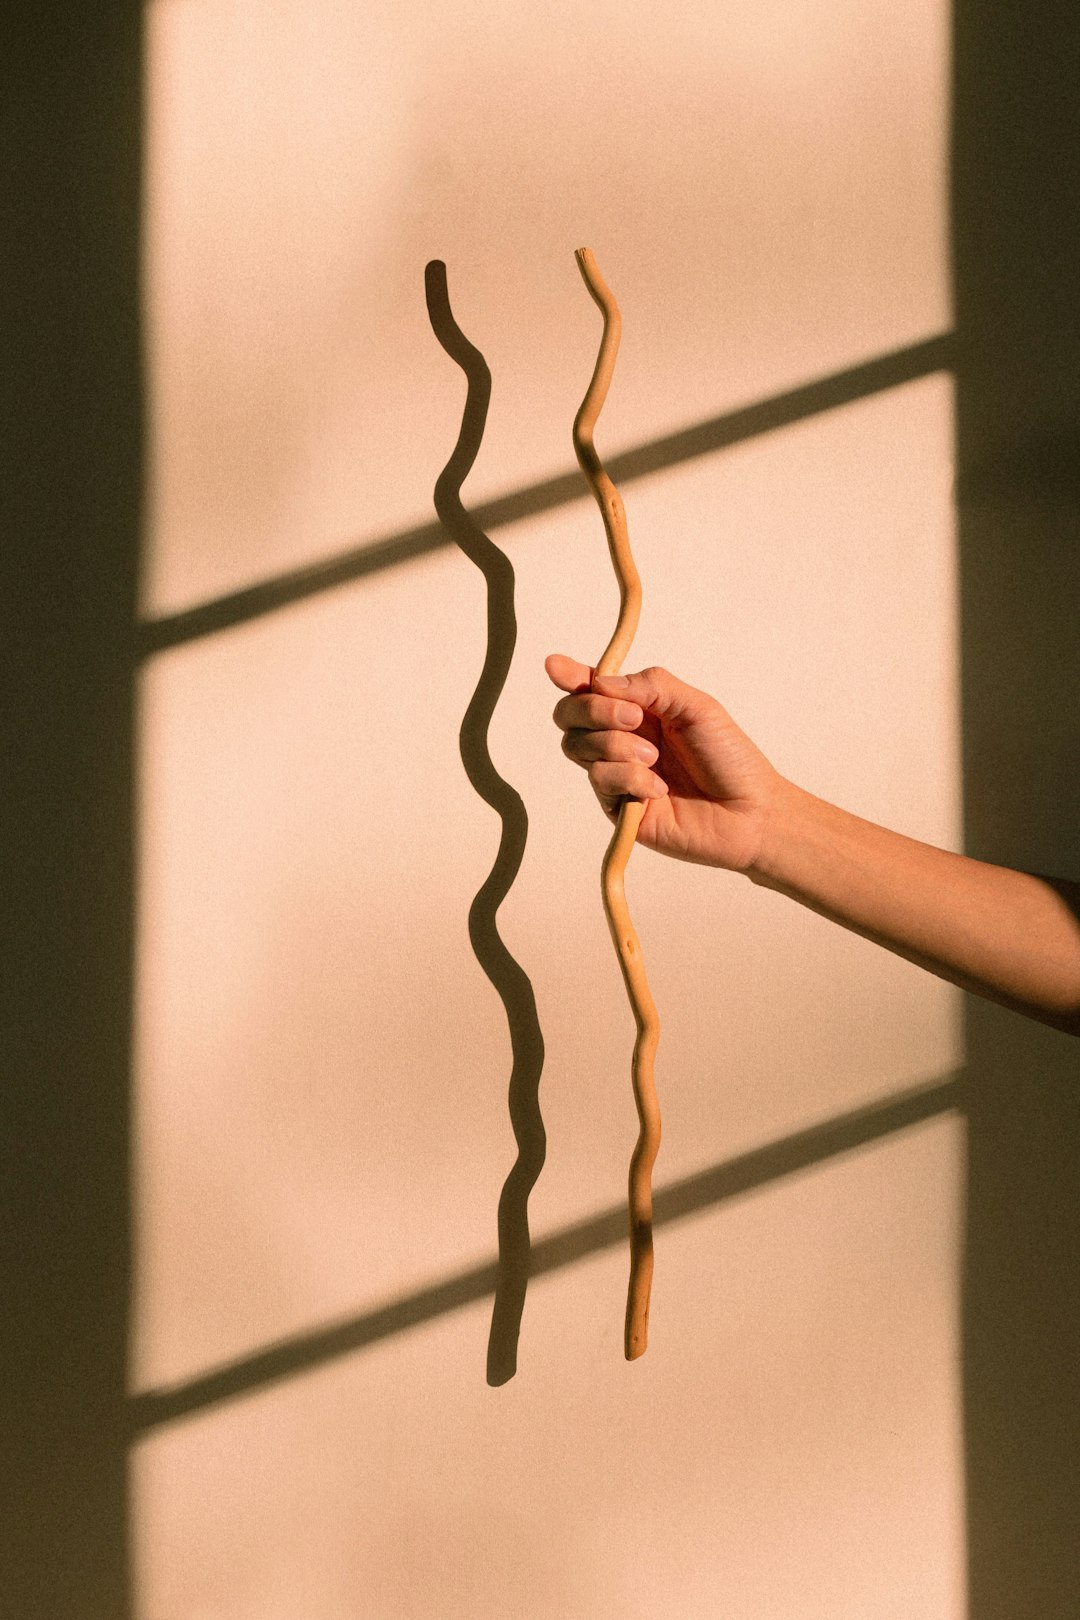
786, 809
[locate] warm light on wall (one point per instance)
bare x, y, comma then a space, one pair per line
322, 1066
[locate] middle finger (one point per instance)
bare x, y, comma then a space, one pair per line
585, 747
588, 711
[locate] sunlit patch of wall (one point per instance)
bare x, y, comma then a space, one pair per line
322, 1065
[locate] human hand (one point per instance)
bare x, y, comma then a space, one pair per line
707, 789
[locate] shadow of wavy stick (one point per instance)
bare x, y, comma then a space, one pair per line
508, 977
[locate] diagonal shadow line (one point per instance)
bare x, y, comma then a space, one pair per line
716, 433
760, 1167
507, 976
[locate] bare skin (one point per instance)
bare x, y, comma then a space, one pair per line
712, 797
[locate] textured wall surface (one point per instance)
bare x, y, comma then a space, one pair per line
321, 1065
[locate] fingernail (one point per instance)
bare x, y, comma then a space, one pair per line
628, 714
614, 680
645, 751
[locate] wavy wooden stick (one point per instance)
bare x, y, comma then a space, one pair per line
630, 814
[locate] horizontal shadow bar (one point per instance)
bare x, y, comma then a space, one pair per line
705, 1190
717, 433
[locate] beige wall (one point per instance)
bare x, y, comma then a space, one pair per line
322, 1066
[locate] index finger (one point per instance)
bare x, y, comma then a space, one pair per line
567, 674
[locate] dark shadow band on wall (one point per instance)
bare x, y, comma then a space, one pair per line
507, 975
70, 508
707, 1189
918, 360
1016, 256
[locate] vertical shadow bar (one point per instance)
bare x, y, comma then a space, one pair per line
506, 974
70, 494
1016, 223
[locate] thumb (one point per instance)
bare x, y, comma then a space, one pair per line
659, 693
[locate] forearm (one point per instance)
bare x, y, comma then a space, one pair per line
1003, 934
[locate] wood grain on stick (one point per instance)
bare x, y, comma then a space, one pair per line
629, 820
